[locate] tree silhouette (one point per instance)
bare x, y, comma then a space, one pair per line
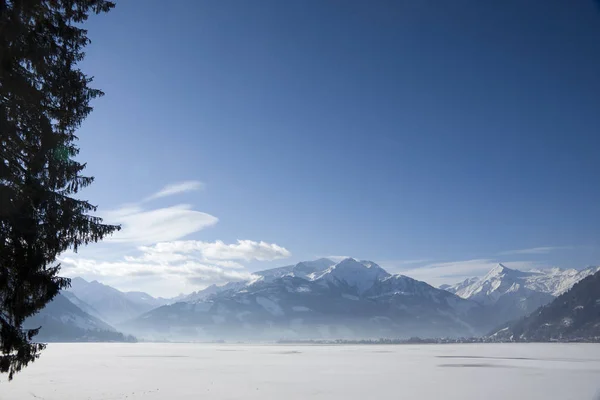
44, 97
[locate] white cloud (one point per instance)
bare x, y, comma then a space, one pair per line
218, 250
455, 271
244, 250
75, 266
168, 279
227, 264
162, 224
152, 255
210, 274
412, 262
158, 258
176, 188
178, 264
396, 265
535, 250
123, 211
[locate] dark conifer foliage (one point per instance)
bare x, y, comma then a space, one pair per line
44, 97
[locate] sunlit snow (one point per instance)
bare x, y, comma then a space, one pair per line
298, 372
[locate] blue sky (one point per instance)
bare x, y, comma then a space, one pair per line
436, 138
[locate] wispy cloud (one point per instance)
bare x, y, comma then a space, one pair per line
141, 226
176, 188
145, 226
534, 250
396, 265
152, 254
416, 261
218, 250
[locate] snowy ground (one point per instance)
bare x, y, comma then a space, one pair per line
197, 371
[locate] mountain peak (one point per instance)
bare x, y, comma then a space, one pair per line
353, 263
499, 269
355, 273
369, 264
78, 280
459, 287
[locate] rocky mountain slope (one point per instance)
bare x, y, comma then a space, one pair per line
573, 315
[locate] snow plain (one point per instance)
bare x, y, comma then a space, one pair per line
153, 371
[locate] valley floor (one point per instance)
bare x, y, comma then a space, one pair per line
346, 372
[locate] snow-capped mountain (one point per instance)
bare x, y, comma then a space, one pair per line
557, 281
307, 270
459, 286
206, 293
510, 293
311, 300
572, 315
110, 304
61, 320
356, 276
501, 280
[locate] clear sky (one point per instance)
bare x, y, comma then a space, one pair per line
433, 137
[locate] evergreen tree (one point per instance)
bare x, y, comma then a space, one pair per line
44, 98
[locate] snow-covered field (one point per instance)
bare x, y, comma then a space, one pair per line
289, 372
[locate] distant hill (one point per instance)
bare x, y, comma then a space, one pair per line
110, 304
572, 315
63, 321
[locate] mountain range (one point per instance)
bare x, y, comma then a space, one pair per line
349, 299
312, 299
315, 299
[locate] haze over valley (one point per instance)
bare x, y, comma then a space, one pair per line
319, 299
